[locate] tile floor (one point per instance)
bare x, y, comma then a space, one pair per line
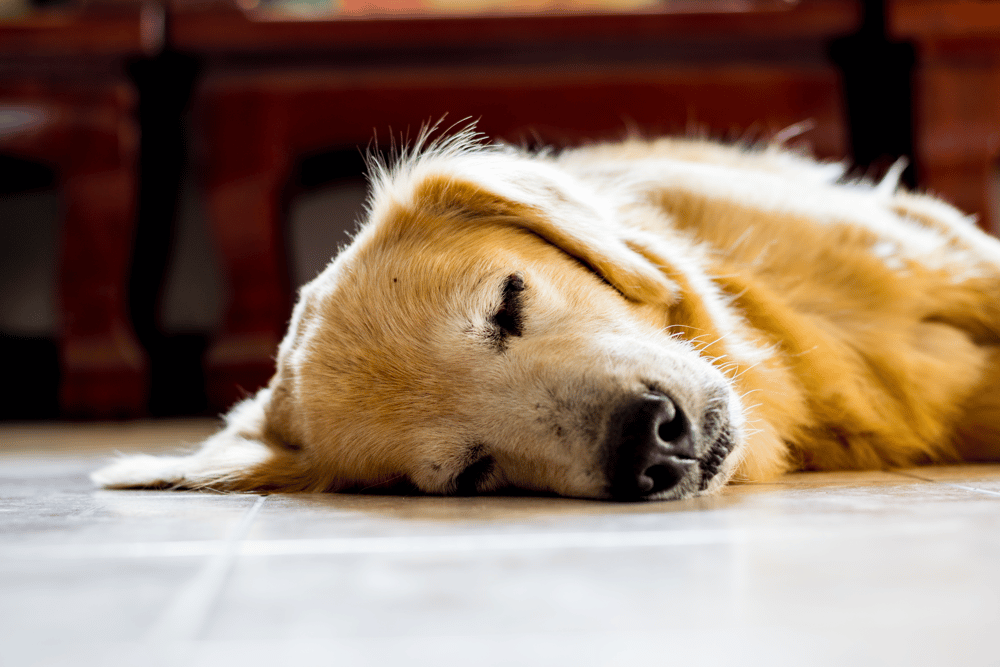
886, 568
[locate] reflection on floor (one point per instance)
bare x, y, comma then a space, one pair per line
890, 568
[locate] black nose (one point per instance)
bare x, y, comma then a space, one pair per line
649, 447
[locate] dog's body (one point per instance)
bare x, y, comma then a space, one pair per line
634, 320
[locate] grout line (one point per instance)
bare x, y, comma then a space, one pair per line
974, 489
186, 616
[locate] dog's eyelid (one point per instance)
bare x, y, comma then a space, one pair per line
508, 318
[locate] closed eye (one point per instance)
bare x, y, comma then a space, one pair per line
508, 319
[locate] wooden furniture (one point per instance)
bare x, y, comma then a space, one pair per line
68, 104
276, 87
957, 98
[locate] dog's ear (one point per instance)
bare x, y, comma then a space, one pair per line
560, 213
645, 267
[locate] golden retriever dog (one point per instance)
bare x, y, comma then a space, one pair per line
644, 320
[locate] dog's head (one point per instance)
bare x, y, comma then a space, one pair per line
490, 327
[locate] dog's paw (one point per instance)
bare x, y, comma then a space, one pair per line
140, 471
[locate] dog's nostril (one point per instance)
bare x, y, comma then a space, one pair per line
659, 477
650, 447
672, 425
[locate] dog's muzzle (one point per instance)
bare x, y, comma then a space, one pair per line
652, 446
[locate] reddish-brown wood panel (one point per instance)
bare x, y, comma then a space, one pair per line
112, 29
957, 98
957, 119
222, 27
304, 110
942, 19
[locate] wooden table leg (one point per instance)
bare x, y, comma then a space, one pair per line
248, 171
104, 370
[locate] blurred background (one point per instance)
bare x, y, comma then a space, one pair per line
171, 171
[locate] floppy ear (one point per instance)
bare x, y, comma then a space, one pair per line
645, 267
237, 458
559, 210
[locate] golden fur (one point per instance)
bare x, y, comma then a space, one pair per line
496, 319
